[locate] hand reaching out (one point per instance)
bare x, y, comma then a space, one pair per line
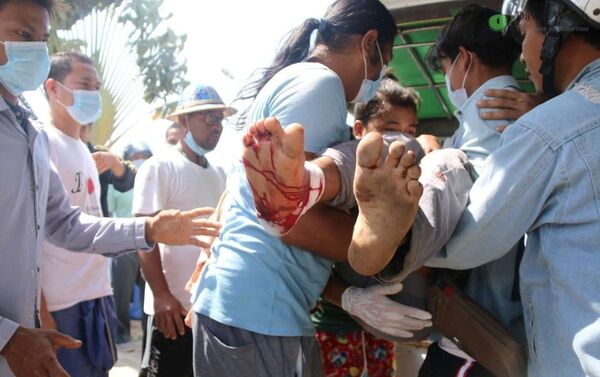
174, 227
107, 161
373, 307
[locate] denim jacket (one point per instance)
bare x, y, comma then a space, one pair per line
476, 137
544, 180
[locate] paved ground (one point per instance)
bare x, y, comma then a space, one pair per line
130, 354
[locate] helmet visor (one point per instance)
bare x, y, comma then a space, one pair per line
512, 9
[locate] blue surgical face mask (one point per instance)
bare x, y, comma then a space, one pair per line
190, 142
368, 88
458, 97
26, 68
86, 107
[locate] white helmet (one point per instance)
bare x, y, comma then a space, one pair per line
589, 10
560, 21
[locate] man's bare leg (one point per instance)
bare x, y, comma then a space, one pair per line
283, 186
388, 196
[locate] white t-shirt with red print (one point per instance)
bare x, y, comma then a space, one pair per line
70, 277
171, 181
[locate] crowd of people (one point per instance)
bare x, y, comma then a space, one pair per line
319, 251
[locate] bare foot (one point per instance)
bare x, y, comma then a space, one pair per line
282, 187
388, 196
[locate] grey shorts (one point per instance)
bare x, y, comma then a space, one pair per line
447, 178
221, 350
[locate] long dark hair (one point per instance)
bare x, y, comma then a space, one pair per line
342, 19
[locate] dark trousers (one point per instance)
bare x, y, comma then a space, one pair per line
440, 363
165, 357
124, 274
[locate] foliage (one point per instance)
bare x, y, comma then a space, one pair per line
156, 47
70, 11
156, 52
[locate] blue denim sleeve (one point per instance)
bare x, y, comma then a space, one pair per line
505, 201
68, 227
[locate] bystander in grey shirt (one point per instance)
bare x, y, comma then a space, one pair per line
34, 206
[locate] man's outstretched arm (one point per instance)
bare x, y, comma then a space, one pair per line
506, 200
68, 227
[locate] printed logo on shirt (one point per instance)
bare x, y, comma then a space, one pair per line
90, 186
78, 183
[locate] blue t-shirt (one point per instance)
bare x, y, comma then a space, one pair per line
253, 280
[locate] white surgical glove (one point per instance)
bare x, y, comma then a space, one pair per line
373, 307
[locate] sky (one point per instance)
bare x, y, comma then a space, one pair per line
238, 36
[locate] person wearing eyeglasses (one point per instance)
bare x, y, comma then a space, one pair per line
181, 178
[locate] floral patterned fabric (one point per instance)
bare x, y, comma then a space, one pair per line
342, 354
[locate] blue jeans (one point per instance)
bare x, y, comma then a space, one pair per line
94, 323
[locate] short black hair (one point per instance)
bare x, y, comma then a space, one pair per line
62, 64
174, 126
537, 10
47, 4
470, 29
390, 92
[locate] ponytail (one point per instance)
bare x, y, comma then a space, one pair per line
295, 49
342, 19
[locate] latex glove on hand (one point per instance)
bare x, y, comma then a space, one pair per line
373, 307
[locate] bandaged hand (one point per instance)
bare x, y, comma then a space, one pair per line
373, 307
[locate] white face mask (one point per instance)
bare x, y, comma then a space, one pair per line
86, 107
368, 88
458, 97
